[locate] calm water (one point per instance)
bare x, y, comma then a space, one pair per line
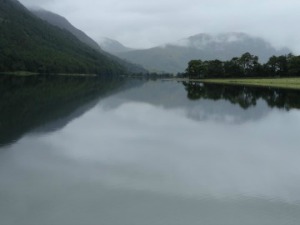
148, 153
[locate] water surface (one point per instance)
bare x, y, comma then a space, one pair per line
154, 153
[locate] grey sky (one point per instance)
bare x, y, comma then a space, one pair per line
138, 23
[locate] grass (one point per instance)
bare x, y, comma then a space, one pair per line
288, 83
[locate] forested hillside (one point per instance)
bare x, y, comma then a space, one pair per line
28, 43
63, 23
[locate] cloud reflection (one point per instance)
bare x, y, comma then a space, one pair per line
147, 147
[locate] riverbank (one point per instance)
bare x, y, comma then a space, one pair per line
290, 83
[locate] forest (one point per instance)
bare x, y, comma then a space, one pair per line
29, 44
247, 65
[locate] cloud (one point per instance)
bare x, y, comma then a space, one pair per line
148, 23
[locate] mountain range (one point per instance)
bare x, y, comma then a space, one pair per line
42, 41
174, 57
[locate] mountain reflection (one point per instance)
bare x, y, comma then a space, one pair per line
46, 103
244, 96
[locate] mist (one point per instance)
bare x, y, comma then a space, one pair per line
141, 24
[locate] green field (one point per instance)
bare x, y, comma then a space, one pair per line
291, 83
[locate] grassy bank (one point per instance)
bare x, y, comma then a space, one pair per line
291, 83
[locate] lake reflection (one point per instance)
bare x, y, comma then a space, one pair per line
149, 155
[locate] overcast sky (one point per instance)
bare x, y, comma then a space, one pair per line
140, 23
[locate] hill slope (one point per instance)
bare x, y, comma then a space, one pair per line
28, 43
63, 23
174, 57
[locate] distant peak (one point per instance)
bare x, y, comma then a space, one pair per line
112, 46
106, 39
203, 40
221, 37
209, 35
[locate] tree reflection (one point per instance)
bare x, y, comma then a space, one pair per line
244, 96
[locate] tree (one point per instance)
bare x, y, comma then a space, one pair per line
195, 69
249, 64
213, 68
232, 68
294, 66
277, 65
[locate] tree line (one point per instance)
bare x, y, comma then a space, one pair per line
246, 65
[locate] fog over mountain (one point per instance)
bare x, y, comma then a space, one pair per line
146, 24
174, 57
113, 46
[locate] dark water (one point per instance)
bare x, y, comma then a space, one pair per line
112, 152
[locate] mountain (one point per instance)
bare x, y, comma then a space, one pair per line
174, 57
63, 23
28, 43
113, 46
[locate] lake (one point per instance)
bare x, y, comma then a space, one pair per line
136, 152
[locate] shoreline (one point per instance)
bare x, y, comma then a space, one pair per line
286, 83
26, 73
